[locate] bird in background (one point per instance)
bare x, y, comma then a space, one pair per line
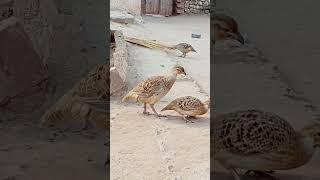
151, 90
184, 48
225, 27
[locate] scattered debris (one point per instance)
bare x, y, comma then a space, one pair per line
193, 35
152, 44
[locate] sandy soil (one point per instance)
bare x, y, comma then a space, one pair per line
284, 31
146, 147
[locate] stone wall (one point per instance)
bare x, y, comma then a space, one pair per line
118, 72
6, 9
36, 16
197, 7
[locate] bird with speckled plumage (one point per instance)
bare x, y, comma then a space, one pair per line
184, 48
261, 141
151, 90
188, 107
225, 27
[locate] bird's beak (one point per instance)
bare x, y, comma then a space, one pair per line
237, 36
240, 38
184, 73
194, 50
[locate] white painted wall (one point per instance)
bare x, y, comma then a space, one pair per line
132, 6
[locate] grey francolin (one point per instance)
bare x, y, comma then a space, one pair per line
184, 48
151, 90
188, 107
261, 141
77, 108
225, 27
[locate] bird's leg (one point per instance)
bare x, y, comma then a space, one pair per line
85, 125
192, 117
189, 119
145, 109
155, 112
186, 118
235, 174
266, 174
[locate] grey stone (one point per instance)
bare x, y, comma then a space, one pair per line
121, 17
118, 73
6, 9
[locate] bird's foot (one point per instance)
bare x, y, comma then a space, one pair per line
191, 117
187, 119
160, 115
265, 174
183, 55
146, 113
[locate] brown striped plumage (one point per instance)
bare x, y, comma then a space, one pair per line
73, 110
188, 106
261, 141
153, 89
184, 48
225, 27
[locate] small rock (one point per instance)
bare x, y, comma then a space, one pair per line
170, 168
23, 166
10, 178
83, 50
121, 17
193, 35
51, 140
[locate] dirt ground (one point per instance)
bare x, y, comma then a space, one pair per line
147, 147
294, 50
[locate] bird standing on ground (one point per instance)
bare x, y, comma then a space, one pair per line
184, 48
153, 89
261, 141
225, 27
188, 106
